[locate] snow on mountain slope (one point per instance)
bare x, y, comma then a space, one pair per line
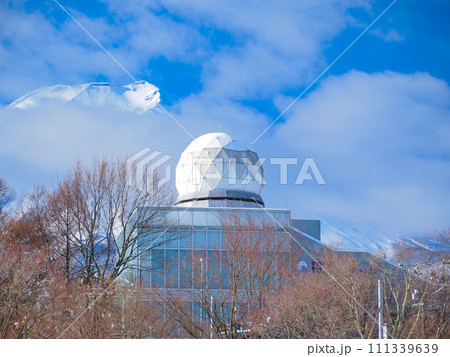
140, 96
338, 234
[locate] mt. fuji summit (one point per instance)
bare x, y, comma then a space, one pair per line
139, 96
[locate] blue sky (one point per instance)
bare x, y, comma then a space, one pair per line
410, 37
377, 123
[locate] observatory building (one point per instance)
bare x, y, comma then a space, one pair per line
219, 182
217, 176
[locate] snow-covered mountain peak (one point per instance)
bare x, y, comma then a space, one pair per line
138, 96
338, 235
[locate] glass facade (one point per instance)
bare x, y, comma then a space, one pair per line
194, 233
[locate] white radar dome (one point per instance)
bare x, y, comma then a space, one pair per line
217, 166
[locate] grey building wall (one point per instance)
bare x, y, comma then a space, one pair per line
309, 226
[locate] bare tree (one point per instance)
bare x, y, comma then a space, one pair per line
137, 318
335, 301
308, 307
101, 222
416, 295
6, 195
30, 286
354, 277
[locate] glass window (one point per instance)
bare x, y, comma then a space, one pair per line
185, 238
144, 237
171, 239
171, 217
199, 218
198, 312
144, 267
200, 239
213, 272
141, 236
200, 268
171, 268
281, 218
185, 269
213, 218
185, 218
157, 267
227, 311
152, 238
157, 309
213, 239
187, 309
225, 269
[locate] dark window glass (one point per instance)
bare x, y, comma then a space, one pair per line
154, 239
171, 239
197, 310
144, 267
214, 269
172, 268
157, 268
225, 270
185, 269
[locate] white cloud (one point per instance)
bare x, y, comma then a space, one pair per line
276, 45
381, 142
38, 49
268, 47
35, 53
389, 36
40, 144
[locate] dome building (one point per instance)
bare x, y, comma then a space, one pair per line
218, 170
